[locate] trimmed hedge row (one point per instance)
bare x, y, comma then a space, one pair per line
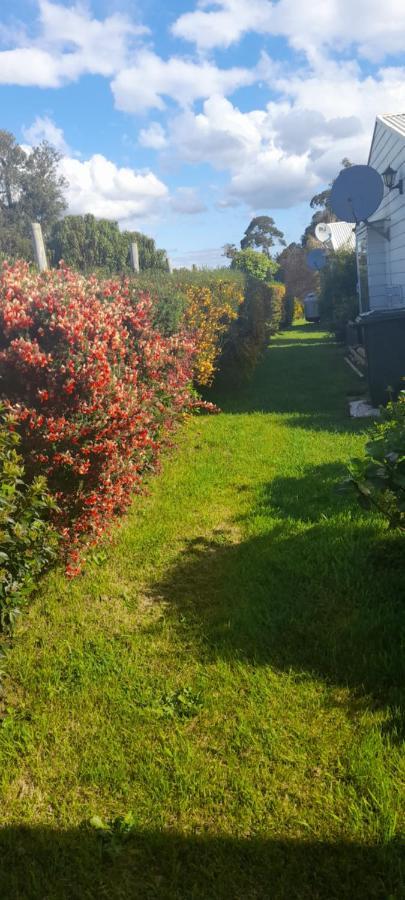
96, 374
94, 389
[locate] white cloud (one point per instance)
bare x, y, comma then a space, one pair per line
100, 187
143, 85
44, 129
272, 180
375, 28
187, 202
220, 24
278, 156
273, 155
154, 136
70, 43
221, 135
27, 66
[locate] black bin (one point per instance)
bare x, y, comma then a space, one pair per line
384, 341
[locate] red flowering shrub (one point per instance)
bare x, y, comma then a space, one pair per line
93, 387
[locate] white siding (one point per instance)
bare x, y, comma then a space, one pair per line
386, 259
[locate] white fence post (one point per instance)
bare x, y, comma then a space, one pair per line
39, 246
134, 254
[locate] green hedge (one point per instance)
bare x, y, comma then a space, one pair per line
339, 300
169, 291
27, 541
260, 316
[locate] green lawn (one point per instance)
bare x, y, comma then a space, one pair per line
228, 672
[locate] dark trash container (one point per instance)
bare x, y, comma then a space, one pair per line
384, 341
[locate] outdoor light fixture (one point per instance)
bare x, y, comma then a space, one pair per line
389, 179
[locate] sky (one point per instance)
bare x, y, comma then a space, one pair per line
185, 118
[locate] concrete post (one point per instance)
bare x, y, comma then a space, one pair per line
134, 254
39, 246
169, 263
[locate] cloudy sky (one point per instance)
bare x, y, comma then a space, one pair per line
184, 118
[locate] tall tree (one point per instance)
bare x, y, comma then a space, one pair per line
298, 278
43, 186
229, 250
31, 189
87, 243
262, 232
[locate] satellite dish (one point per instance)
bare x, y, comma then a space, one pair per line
316, 259
356, 193
323, 232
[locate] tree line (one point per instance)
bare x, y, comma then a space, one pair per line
33, 190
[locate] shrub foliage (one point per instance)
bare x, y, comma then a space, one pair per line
93, 387
97, 373
379, 478
27, 540
338, 298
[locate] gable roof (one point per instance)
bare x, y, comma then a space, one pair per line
396, 122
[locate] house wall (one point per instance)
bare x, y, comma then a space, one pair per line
386, 259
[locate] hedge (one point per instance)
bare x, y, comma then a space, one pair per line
93, 387
27, 540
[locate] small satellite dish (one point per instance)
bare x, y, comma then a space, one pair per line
356, 193
322, 232
316, 259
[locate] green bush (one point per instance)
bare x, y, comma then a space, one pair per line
379, 478
169, 292
338, 296
260, 316
27, 541
169, 300
257, 265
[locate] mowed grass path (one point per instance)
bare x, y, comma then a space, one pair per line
229, 672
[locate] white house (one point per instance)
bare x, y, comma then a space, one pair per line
381, 242
380, 245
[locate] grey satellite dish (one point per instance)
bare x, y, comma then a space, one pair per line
356, 193
316, 259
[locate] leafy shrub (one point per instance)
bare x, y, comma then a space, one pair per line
209, 311
299, 311
293, 310
93, 388
277, 306
27, 541
338, 297
207, 302
258, 265
169, 292
259, 317
379, 478
168, 299
202, 303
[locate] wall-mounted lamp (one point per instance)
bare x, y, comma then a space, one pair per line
389, 179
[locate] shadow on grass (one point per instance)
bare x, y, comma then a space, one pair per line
307, 382
42, 864
312, 594
309, 497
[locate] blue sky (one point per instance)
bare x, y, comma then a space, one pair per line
185, 119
